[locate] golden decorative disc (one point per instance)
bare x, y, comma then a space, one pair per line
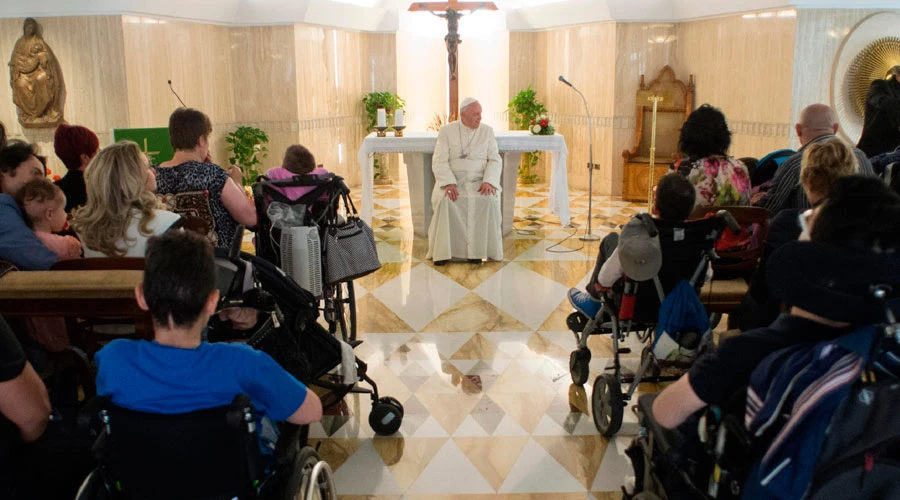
872, 63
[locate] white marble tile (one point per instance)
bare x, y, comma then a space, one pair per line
450, 473
419, 295
390, 253
559, 252
523, 293
536, 471
365, 473
615, 467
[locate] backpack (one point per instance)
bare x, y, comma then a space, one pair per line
683, 325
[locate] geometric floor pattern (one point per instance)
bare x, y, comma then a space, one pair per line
478, 355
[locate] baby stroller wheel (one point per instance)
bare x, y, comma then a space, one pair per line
386, 416
579, 365
607, 404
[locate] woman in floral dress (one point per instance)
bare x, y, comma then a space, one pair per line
720, 180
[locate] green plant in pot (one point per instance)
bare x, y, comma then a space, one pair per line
247, 146
372, 102
523, 110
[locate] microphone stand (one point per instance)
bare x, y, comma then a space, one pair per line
589, 235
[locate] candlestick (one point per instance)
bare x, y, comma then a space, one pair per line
382, 118
398, 118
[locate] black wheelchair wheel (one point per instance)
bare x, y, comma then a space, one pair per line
385, 418
394, 401
607, 404
579, 365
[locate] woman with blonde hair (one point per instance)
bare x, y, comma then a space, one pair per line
822, 164
122, 211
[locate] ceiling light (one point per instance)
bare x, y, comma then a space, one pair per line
787, 13
766, 15
749, 16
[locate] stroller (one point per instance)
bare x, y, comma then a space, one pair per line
687, 249
318, 209
854, 451
288, 331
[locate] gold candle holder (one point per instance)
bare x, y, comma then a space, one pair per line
381, 131
398, 131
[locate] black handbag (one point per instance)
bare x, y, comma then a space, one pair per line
349, 248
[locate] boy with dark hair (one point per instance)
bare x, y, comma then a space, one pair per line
675, 197
177, 372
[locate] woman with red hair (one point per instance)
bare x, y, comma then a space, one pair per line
75, 146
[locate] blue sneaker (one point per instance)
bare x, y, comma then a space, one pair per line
584, 303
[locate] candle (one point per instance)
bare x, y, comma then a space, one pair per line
382, 118
398, 118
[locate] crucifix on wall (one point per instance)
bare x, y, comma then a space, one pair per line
450, 10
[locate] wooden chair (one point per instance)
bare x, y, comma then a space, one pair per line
100, 264
733, 272
677, 104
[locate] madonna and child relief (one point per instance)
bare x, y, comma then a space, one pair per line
35, 76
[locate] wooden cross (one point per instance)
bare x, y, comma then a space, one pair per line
451, 11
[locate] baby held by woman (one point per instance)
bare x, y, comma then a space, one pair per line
43, 204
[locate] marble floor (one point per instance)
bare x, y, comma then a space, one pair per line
478, 355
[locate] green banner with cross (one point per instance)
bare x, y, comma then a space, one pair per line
154, 142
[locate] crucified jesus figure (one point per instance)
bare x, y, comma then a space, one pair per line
450, 10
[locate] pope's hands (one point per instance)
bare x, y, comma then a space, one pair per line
451, 192
486, 189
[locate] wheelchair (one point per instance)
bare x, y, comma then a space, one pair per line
687, 249
210, 454
322, 206
714, 456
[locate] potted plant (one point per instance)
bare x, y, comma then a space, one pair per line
390, 102
524, 110
247, 147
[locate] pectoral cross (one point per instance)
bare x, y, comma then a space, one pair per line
451, 11
150, 154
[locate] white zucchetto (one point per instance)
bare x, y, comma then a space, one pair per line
466, 102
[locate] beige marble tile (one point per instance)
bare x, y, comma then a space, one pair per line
336, 451
406, 458
449, 412
567, 272
469, 275
374, 316
580, 455
493, 457
474, 314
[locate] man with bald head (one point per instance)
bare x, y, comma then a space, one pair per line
818, 123
466, 199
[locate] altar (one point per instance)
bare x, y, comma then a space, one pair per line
417, 149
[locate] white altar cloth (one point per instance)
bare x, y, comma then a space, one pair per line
417, 149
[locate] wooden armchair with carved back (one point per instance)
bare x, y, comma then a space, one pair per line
677, 104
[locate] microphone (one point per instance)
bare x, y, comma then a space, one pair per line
560, 79
182, 102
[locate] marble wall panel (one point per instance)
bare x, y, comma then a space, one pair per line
195, 57
820, 33
743, 65
335, 69
89, 50
586, 56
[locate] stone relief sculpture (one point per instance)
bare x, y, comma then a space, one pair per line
35, 76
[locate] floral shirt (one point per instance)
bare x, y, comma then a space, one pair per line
719, 180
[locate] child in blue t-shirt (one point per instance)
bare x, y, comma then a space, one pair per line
177, 372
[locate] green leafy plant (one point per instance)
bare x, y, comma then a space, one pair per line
390, 102
524, 109
374, 100
247, 148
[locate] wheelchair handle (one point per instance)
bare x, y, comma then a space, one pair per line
235, 251
730, 221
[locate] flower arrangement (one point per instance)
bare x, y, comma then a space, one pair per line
541, 126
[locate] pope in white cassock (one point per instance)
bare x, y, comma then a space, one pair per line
466, 200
